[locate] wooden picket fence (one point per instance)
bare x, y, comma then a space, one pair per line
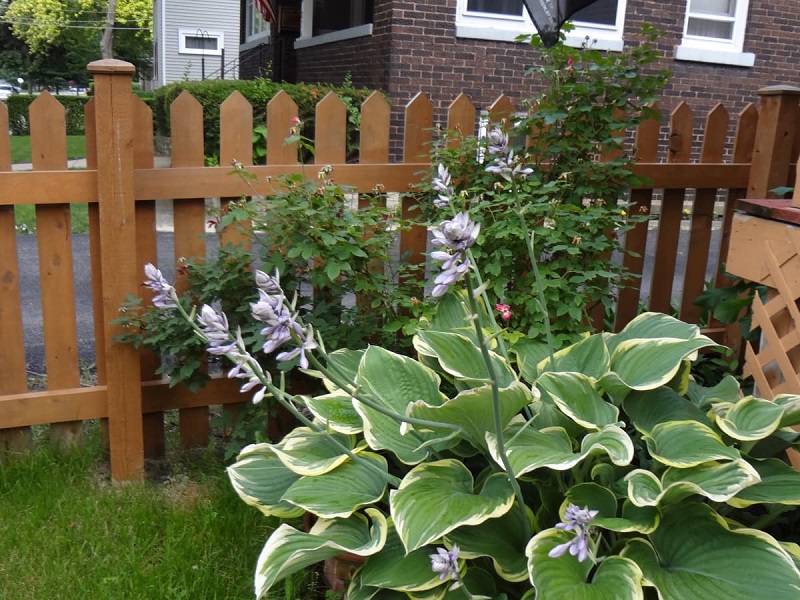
121, 186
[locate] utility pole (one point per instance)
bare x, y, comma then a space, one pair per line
107, 41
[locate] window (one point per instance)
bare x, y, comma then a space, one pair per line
713, 31
255, 25
602, 22
200, 41
325, 21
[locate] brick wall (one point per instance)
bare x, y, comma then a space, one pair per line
413, 48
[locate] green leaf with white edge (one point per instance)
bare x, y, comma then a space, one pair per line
576, 396
392, 568
461, 357
502, 539
748, 419
650, 325
471, 410
589, 356
565, 578
651, 363
687, 444
790, 403
641, 519
288, 550
308, 452
336, 412
592, 496
529, 449
647, 409
616, 389
452, 315
342, 491
529, 353
437, 497
726, 390
780, 484
260, 479
693, 554
394, 382
343, 364
716, 481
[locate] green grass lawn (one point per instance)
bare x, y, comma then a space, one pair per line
25, 215
67, 533
21, 148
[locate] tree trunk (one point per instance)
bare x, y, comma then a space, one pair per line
107, 41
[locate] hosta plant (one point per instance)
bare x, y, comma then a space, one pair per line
486, 469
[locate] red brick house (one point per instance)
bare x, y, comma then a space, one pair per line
718, 50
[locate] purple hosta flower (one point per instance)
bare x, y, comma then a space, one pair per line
443, 185
456, 236
577, 520
445, 563
271, 284
166, 296
215, 327
306, 343
498, 141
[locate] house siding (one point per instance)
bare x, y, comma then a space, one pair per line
204, 15
414, 48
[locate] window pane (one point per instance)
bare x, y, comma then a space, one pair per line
335, 15
200, 43
714, 29
498, 7
602, 12
726, 8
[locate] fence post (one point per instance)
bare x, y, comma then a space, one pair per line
120, 271
775, 137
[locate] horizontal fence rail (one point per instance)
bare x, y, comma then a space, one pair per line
122, 185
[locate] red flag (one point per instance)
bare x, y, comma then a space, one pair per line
267, 10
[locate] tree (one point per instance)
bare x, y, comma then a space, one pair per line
107, 41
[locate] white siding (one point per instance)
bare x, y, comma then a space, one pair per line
193, 16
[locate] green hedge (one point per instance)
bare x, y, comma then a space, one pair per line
211, 93
19, 104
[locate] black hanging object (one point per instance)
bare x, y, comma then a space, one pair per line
549, 15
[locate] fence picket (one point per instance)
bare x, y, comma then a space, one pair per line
13, 375
714, 135
461, 118
374, 137
186, 124
235, 144
330, 135
669, 223
54, 239
502, 109
281, 110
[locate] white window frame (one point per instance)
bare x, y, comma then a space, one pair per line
506, 28
713, 50
212, 34
256, 28
307, 37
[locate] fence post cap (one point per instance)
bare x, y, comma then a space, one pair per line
779, 90
110, 66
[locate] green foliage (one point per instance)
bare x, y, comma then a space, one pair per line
572, 203
211, 93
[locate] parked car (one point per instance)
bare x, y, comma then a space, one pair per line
6, 90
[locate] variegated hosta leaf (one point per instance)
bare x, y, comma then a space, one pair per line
308, 452
502, 539
565, 578
437, 497
452, 315
529, 354
641, 519
747, 419
260, 479
693, 554
647, 409
393, 382
592, 496
645, 364
791, 409
336, 412
716, 481
726, 390
650, 325
576, 396
393, 569
344, 363
472, 410
461, 357
780, 484
589, 356
340, 492
687, 444
288, 550
529, 449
